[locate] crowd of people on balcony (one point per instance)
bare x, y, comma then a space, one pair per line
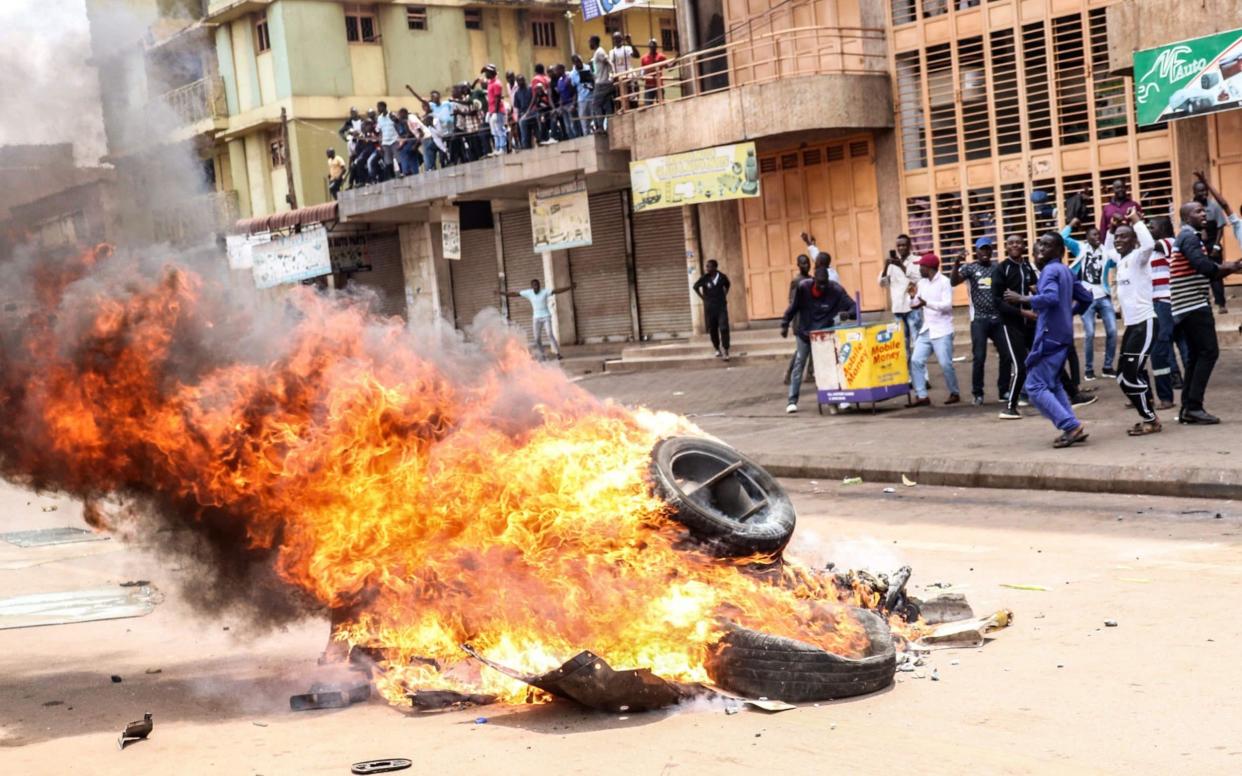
494, 115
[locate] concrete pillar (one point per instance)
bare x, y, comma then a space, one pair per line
888, 190
690, 225
418, 263
720, 234
1191, 151
564, 312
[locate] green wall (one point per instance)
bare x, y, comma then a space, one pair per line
425, 59
312, 55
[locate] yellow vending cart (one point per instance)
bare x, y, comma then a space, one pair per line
860, 363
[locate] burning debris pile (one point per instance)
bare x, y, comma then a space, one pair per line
432, 493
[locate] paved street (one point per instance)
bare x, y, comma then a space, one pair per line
1057, 692
961, 444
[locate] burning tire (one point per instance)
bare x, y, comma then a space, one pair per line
725, 500
756, 665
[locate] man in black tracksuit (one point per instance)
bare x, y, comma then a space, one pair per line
713, 288
1014, 274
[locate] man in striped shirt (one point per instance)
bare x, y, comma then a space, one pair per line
1163, 357
1190, 276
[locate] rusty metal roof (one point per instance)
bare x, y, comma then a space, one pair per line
314, 214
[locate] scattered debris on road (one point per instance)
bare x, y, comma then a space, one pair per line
852, 481
104, 603
909, 483
381, 766
330, 696
438, 700
1110, 623
45, 537
1015, 586
116, 679
135, 731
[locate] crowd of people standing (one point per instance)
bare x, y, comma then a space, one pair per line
494, 115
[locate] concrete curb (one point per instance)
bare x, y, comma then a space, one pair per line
1074, 476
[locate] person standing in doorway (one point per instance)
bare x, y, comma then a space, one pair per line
900, 271
934, 296
817, 303
1058, 298
713, 288
541, 312
1133, 245
986, 325
1092, 266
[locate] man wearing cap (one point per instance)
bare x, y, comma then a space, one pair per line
934, 296
986, 323
653, 74
1057, 299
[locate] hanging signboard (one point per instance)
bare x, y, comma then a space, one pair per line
293, 258
707, 175
450, 232
592, 9
1188, 78
560, 216
241, 247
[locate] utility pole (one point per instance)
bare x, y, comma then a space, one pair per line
292, 196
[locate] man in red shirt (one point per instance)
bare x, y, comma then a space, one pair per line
653, 74
496, 111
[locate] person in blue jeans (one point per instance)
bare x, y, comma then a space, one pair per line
1058, 298
934, 298
1093, 264
817, 303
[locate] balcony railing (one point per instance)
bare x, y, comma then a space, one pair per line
757, 59
198, 100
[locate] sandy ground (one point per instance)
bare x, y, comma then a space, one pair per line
1056, 693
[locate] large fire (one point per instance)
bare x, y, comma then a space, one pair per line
440, 492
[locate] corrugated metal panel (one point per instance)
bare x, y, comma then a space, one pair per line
474, 276
386, 278
522, 264
602, 296
660, 264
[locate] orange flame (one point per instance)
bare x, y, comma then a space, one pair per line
472, 495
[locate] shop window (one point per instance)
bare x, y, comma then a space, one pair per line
942, 99
1071, 185
1015, 215
982, 221
976, 121
262, 38
543, 32
1038, 102
910, 110
1071, 79
416, 17
474, 19
669, 41
919, 224
1109, 100
1106, 185
1044, 206
612, 23
1006, 101
904, 11
1156, 189
360, 24
935, 7
949, 225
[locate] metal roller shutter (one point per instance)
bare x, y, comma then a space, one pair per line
474, 276
522, 264
660, 264
386, 278
602, 296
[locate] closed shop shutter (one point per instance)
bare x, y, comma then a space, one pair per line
474, 276
522, 264
386, 278
602, 295
660, 264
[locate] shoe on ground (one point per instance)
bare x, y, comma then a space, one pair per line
1109, 372
1082, 400
791, 409
1077, 436
977, 401
1197, 418
1222, 310
1004, 399
1023, 403
719, 354
923, 402
1008, 414
953, 399
726, 355
1089, 375
559, 357
1165, 405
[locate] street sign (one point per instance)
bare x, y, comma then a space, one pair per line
1188, 78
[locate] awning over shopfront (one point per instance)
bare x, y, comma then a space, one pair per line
315, 214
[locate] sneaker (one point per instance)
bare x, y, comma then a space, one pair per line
1008, 414
923, 402
726, 355
719, 354
551, 141
1023, 403
1222, 310
1089, 375
1109, 372
977, 401
953, 399
1082, 400
1004, 399
791, 409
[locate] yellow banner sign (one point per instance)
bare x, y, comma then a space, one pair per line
707, 175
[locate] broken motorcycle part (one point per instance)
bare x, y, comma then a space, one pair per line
589, 680
381, 766
430, 700
724, 499
760, 665
135, 731
330, 696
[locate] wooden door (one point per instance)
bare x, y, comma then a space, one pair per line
1226, 154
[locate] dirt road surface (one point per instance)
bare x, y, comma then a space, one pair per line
1058, 692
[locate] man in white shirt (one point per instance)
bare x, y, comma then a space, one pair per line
622, 57
386, 124
604, 95
541, 312
900, 271
934, 296
1134, 244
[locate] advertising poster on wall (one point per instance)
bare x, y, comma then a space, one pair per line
706, 175
450, 232
241, 246
293, 258
1188, 78
560, 216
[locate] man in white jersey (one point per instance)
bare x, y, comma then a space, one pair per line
1133, 245
541, 312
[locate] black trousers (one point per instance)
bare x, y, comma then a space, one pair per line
718, 325
1071, 375
982, 330
1218, 285
1135, 347
1014, 354
1199, 329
